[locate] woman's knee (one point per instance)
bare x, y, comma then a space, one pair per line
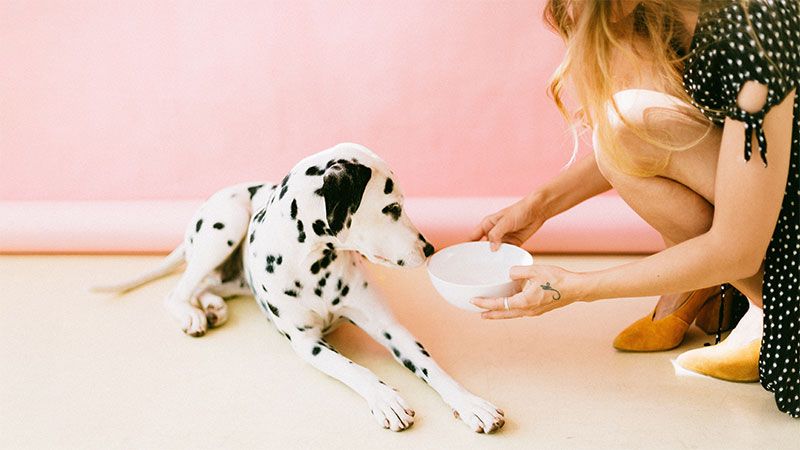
646, 127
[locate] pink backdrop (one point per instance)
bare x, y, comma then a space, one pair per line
141, 100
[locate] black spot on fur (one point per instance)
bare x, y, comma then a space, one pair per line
198, 225
283, 192
259, 217
394, 211
396, 352
264, 288
366, 284
287, 336
339, 285
335, 301
253, 189
345, 291
285, 180
290, 292
301, 233
252, 236
191, 240
389, 186
293, 211
315, 351
219, 225
425, 371
328, 256
230, 243
323, 281
279, 260
387, 335
270, 259
319, 227
401, 263
343, 187
409, 365
274, 309
314, 171
298, 285
318, 292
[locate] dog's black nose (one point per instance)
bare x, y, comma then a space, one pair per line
428, 250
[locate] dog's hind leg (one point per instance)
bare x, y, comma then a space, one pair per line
213, 237
212, 299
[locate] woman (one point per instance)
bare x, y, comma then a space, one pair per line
696, 123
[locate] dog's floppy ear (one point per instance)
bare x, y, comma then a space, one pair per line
342, 188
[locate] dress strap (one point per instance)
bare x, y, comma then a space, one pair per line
753, 123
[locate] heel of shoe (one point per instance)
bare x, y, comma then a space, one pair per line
734, 305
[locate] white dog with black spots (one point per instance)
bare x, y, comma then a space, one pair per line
297, 248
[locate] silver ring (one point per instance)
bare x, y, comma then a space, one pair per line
505, 302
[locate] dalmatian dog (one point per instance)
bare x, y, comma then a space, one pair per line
297, 247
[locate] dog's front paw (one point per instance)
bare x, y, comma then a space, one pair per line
478, 414
389, 409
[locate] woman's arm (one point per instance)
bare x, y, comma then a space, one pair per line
748, 199
578, 182
516, 223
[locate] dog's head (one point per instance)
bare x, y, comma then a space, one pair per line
364, 207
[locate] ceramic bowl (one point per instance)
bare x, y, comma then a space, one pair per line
464, 271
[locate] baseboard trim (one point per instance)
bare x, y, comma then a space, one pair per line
604, 224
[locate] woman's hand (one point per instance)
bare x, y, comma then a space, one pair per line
546, 288
514, 224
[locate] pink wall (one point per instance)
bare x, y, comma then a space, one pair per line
171, 99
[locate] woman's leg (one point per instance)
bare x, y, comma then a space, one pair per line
678, 200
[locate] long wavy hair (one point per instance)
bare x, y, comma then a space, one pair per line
595, 32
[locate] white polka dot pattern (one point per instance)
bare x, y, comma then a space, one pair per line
724, 57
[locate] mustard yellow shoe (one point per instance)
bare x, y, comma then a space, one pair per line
735, 358
726, 362
648, 335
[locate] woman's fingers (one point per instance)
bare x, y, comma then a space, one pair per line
496, 234
517, 301
522, 272
483, 228
512, 314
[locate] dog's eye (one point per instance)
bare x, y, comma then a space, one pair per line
394, 210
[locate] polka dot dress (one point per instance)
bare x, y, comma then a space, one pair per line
725, 56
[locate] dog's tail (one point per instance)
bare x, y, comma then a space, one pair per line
166, 267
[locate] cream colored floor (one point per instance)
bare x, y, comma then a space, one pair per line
81, 370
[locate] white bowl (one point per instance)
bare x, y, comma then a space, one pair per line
464, 271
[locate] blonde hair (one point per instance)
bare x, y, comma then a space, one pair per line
593, 31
